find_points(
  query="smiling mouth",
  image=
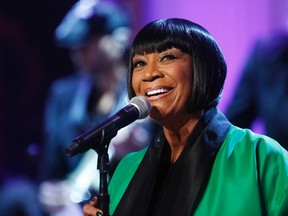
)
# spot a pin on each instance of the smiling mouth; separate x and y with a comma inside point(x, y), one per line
point(157, 92)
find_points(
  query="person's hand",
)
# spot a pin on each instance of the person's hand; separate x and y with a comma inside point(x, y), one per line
point(91, 210)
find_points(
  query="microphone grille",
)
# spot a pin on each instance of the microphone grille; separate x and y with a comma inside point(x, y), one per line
point(142, 104)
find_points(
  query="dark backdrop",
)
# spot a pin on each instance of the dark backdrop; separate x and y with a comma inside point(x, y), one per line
point(29, 61)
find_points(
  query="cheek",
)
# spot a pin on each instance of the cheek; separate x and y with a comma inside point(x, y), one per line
point(136, 84)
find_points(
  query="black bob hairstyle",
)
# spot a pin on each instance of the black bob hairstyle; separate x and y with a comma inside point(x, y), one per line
point(208, 64)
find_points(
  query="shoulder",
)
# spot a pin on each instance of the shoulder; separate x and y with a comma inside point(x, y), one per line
point(123, 175)
point(239, 135)
point(127, 167)
point(129, 163)
point(245, 138)
point(262, 151)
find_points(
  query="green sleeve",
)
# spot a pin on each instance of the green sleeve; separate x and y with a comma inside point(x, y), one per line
point(273, 169)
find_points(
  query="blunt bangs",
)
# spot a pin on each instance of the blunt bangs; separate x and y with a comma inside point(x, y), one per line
point(160, 36)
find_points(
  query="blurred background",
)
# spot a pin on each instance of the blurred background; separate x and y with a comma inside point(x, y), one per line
point(30, 60)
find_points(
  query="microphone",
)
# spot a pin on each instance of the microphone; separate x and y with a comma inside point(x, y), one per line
point(137, 108)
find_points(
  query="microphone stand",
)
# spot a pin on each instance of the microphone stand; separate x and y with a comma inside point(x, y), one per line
point(102, 166)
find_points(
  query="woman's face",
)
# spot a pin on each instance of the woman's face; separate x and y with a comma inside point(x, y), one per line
point(166, 80)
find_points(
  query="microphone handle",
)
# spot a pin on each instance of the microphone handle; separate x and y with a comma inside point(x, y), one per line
point(103, 132)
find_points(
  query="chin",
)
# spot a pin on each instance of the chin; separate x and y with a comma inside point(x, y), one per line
point(156, 115)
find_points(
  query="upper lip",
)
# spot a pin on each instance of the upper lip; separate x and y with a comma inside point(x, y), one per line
point(157, 90)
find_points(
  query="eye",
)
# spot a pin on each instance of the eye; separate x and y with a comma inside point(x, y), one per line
point(138, 63)
point(167, 57)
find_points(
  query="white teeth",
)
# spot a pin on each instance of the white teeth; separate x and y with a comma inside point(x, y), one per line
point(157, 91)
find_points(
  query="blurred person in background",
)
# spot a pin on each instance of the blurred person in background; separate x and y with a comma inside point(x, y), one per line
point(260, 100)
point(97, 34)
point(262, 92)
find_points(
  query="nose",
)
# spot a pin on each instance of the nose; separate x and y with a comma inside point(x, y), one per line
point(152, 73)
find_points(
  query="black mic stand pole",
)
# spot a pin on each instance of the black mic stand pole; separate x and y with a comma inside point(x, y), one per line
point(103, 166)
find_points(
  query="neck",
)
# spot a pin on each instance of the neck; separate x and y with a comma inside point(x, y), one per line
point(177, 134)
